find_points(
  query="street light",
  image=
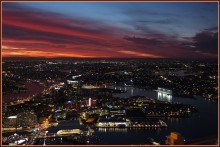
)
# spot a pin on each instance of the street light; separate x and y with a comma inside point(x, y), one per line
point(45, 137)
point(16, 125)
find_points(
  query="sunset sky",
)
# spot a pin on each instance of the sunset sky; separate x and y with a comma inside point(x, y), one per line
point(110, 30)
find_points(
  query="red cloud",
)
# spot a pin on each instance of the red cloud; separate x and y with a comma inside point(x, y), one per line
point(36, 33)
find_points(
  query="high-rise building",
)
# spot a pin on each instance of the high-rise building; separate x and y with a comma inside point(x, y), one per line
point(90, 102)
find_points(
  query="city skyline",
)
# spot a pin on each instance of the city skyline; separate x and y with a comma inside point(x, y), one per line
point(110, 29)
point(93, 101)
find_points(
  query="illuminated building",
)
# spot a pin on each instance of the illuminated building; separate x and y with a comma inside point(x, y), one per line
point(119, 113)
point(59, 115)
point(164, 94)
point(72, 82)
point(112, 123)
point(90, 102)
point(9, 122)
point(67, 132)
point(175, 138)
point(27, 119)
point(90, 120)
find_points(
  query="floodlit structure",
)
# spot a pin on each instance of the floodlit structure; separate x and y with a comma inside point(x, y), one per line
point(113, 123)
point(68, 132)
point(175, 138)
point(164, 94)
point(90, 102)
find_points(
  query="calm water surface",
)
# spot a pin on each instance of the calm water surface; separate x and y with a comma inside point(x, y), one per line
point(201, 124)
point(32, 88)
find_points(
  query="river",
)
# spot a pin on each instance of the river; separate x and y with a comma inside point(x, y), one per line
point(32, 89)
point(203, 123)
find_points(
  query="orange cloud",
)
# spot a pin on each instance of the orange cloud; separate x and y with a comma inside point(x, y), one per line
point(139, 54)
point(11, 48)
point(45, 54)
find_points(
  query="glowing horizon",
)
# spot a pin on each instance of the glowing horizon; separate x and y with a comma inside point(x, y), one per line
point(110, 29)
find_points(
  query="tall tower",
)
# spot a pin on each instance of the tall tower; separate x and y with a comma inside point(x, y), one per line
point(89, 104)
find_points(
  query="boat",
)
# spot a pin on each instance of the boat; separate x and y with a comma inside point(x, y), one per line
point(162, 123)
point(151, 141)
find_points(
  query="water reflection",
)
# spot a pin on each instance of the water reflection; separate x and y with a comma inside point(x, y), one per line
point(125, 130)
point(112, 130)
point(164, 94)
point(193, 127)
point(164, 97)
point(172, 119)
point(132, 92)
